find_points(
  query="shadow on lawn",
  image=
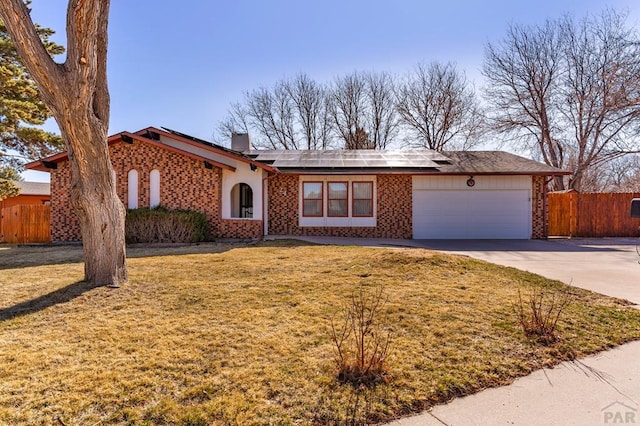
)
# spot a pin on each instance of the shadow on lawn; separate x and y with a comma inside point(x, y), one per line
point(24, 256)
point(62, 295)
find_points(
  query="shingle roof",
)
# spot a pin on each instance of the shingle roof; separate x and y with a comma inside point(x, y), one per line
point(494, 162)
point(349, 161)
point(203, 142)
point(34, 188)
point(206, 151)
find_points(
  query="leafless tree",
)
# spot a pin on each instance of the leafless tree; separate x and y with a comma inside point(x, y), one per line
point(363, 111)
point(619, 175)
point(439, 108)
point(382, 114)
point(77, 94)
point(292, 114)
point(568, 90)
point(522, 71)
point(602, 89)
point(349, 111)
point(272, 114)
point(237, 121)
point(312, 117)
point(357, 111)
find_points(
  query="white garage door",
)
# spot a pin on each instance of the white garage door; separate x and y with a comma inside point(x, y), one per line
point(471, 214)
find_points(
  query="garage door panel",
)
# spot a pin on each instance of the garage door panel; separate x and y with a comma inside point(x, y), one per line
point(471, 214)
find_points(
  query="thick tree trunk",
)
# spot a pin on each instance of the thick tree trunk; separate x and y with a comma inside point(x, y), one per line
point(78, 96)
point(558, 183)
point(96, 203)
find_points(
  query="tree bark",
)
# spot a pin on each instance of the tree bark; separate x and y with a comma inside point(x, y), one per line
point(96, 203)
point(76, 92)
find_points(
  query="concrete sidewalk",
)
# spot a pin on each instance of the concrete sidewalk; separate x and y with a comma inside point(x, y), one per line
point(597, 390)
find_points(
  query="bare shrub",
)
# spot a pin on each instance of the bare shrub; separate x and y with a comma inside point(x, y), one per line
point(361, 342)
point(161, 225)
point(539, 315)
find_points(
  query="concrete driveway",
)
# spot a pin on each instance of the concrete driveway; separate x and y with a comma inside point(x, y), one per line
point(598, 390)
point(606, 265)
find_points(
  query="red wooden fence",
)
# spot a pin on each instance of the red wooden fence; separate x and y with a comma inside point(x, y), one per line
point(27, 223)
point(592, 215)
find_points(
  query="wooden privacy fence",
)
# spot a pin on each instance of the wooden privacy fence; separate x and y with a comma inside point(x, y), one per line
point(592, 215)
point(27, 223)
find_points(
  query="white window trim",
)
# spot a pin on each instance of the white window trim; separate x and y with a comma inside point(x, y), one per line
point(325, 219)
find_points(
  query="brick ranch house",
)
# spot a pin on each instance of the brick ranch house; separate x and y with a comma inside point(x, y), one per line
point(417, 194)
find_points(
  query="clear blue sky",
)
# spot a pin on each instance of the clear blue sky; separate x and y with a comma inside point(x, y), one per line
point(180, 64)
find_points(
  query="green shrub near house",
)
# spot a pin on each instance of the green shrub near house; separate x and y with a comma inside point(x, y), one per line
point(161, 225)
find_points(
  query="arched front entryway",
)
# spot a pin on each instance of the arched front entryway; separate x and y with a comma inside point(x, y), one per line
point(241, 201)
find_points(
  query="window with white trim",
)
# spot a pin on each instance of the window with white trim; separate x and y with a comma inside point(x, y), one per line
point(312, 194)
point(337, 199)
point(362, 199)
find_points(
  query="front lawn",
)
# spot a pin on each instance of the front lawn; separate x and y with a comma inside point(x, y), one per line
point(241, 334)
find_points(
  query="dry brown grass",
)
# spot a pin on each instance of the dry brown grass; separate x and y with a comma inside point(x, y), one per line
point(236, 334)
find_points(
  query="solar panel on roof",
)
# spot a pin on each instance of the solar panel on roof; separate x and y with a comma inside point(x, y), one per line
point(351, 162)
point(351, 159)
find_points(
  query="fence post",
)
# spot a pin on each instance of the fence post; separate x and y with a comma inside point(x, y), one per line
point(573, 213)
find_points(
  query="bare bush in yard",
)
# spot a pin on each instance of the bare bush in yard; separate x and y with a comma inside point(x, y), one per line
point(539, 315)
point(362, 344)
point(161, 225)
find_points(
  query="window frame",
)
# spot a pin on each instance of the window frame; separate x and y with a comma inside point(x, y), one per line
point(346, 199)
point(354, 199)
point(244, 203)
point(133, 189)
point(321, 198)
point(155, 195)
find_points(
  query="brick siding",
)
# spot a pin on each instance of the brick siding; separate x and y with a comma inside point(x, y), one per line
point(184, 184)
point(394, 205)
point(539, 215)
point(246, 229)
point(64, 222)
